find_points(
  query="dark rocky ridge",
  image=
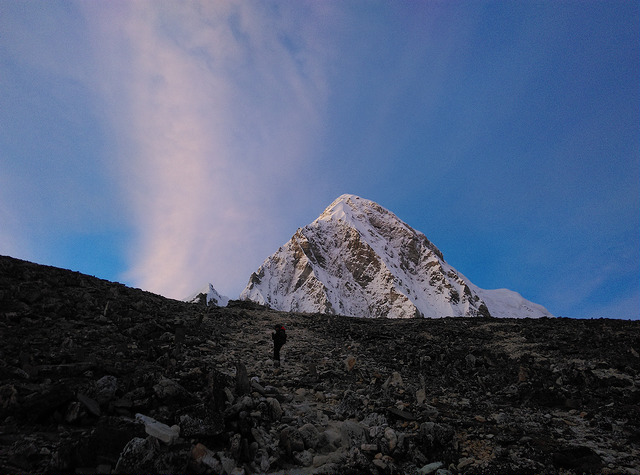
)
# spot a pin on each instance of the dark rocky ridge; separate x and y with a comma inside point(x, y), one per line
point(80, 357)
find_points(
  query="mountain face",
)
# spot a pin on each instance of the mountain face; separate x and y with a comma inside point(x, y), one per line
point(359, 259)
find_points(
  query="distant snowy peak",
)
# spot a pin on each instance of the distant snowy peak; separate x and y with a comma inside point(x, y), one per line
point(370, 219)
point(212, 297)
point(359, 259)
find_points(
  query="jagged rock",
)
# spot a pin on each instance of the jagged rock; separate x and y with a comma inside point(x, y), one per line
point(350, 405)
point(304, 458)
point(310, 436)
point(138, 456)
point(329, 440)
point(352, 434)
point(168, 390)
point(391, 439)
point(291, 440)
point(349, 363)
point(106, 388)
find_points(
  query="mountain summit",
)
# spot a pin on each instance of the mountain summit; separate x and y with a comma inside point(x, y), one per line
point(360, 259)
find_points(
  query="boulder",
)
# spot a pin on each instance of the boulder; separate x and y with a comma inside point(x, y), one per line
point(138, 456)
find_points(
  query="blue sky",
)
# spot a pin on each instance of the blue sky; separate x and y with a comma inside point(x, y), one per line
point(170, 144)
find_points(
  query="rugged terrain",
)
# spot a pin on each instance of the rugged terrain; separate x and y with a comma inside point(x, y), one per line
point(359, 259)
point(97, 377)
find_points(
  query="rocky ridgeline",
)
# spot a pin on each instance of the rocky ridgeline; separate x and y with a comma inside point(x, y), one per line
point(97, 377)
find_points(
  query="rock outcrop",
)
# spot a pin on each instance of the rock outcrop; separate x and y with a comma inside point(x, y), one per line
point(96, 377)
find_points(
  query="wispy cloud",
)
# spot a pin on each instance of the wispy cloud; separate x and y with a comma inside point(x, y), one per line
point(217, 104)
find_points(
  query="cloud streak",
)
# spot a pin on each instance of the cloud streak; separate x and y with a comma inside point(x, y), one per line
point(217, 103)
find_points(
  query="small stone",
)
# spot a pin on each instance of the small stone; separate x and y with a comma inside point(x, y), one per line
point(203, 455)
point(395, 380)
point(349, 363)
point(369, 448)
point(392, 438)
point(421, 396)
point(159, 430)
point(382, 465)
point(430, 468)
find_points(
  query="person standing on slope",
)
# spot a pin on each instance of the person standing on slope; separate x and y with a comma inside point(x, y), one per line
point(279, 337)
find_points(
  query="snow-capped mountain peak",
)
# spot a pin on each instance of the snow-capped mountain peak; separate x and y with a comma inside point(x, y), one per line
point(211, 294)
point(359, 259)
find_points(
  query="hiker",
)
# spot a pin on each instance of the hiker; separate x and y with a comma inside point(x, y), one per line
point(279, 338)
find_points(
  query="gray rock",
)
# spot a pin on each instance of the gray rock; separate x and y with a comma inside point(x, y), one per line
point(304, 458)
point(106, 388)
point(352, 434)
point(350, 405)
point(329, 440)
point(274, 409)
point(138, 456)
point(168, 389)
point(430, 468)
point(291, 440)
point(391, 440)
point(421, 396)
point(310, 436)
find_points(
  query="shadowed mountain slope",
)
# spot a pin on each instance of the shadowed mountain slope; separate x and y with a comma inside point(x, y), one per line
point(97, 377)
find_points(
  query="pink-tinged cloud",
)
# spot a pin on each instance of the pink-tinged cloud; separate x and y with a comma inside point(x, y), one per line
point(215, 106)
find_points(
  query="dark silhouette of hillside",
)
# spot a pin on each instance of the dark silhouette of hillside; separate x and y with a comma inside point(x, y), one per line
point(97, 377)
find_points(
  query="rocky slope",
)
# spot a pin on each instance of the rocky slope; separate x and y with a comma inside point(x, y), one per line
point(359, 259)
point(96, 377)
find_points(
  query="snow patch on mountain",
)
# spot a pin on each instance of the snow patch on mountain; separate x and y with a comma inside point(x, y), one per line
point(359, 259)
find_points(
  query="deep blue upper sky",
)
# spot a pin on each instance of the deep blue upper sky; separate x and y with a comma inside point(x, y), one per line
point(168, 145)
